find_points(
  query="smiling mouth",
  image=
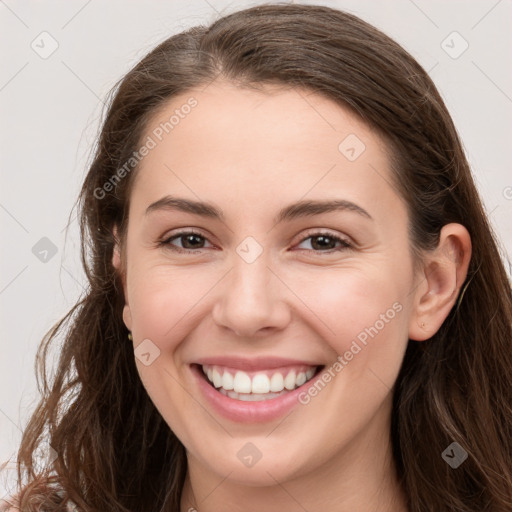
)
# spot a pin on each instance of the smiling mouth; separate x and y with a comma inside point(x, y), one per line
point(257, 386)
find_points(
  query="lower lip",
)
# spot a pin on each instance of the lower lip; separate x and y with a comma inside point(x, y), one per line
point(249, 412)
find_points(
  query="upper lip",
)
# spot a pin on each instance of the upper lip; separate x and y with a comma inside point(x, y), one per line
point(254, 363)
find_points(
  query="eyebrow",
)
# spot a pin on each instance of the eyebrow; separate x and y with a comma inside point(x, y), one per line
point(290, 212)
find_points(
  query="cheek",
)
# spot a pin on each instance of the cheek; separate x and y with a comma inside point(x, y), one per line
point(362, 316)
point(347, 304)
point(163, 302)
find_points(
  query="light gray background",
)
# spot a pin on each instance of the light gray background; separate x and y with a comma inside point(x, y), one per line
point(50, 109)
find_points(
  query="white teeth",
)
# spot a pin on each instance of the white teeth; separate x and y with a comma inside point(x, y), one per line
point(250, 397)
point(242, 383)
point(289, 381)
point(217, 379)
point(227, 381)
point(276, 383)
point(260, 383)
point(260, 387)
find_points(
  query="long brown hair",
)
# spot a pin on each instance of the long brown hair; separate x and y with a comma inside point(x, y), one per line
point(115, 451)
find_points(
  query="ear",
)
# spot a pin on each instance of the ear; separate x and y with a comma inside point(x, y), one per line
point(444, 271)
point(117, 262)
point(119, 265)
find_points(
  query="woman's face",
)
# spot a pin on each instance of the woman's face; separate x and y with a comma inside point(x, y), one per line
point(299, 268)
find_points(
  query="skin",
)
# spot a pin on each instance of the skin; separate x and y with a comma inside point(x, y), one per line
point(251, 153)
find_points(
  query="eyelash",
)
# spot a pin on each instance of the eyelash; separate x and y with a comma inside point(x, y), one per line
point(314, 234)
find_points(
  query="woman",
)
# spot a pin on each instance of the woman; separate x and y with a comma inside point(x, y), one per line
point(296, 301)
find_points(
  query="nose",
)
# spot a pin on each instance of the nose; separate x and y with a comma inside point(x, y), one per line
point(252, 300)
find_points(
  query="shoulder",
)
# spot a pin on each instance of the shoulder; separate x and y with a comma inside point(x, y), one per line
point(11, 504)
point(8, 506)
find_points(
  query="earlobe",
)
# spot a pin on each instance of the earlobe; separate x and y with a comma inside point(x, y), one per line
point(444, 272)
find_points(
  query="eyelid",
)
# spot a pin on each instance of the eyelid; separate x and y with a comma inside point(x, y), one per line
point(181, 232)
point(326, 232)
point(347, 242)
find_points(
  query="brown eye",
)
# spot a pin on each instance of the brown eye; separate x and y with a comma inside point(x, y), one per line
point(325, 242)
point(189, 240)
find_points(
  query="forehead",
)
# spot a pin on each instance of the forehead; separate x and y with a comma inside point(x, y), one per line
point(230, 142)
